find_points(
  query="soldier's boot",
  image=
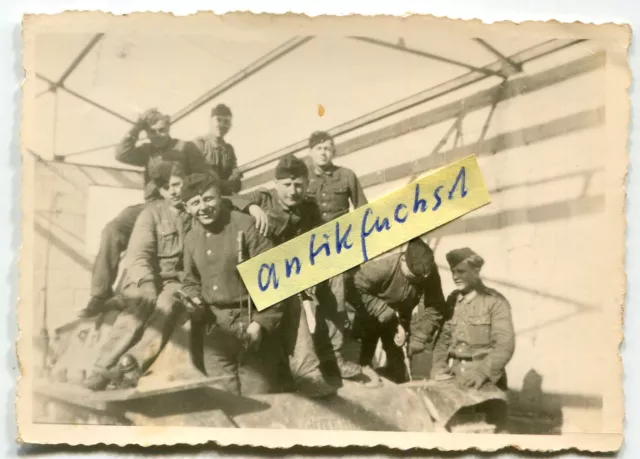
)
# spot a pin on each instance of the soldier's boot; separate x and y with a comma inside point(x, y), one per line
point(348, 370)
point(314, 386)
point(97, 381)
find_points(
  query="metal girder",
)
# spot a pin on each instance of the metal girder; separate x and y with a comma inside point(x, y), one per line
point(242, 75)
point(417, 52)
point(94, 41)
point(510, 64)
point(83, 98)
point(432, 93)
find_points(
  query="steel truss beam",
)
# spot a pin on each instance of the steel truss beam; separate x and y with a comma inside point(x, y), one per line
point(242, 75)
point(509, 64)
point(436, 57)
point(522, 57)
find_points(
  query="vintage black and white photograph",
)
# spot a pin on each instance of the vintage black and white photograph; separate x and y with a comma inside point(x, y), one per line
point(160, 152)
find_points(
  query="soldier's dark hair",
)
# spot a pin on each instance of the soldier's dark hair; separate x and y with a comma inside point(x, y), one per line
point(318, 137)
point(155, 115)
point(221, 110)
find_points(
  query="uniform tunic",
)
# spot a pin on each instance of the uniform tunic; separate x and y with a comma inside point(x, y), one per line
point(146, 154)
point(221, 157)
point(333, 189)
point(478, 328)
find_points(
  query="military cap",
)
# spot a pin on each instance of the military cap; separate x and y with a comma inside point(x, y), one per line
point(220, 110)
point(419, 257)
point(319, 137)
point(457, 256)
point(291, 167)
point(196, 184)
point(161, 172)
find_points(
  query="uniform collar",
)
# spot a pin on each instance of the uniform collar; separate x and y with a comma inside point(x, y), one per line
point(328, 171)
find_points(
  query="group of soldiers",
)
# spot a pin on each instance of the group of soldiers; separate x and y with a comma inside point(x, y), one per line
point(182, 246)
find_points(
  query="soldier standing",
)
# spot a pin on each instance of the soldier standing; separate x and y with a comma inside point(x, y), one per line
point(335, 189)
point(114, 239)
point(477, 339)
point(236, 343)
point(291, 213)
point(387, 289)
point(219, 154)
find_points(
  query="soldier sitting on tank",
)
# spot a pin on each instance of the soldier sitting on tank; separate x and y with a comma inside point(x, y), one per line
point(153, 270)
point(477, 339)
point(387, 289)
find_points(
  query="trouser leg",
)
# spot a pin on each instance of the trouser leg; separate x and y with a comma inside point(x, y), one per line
point(158, 328)
point(298, 341)
point(113, 241)
point(220, 357)
point(332, 310)
point(125, 331)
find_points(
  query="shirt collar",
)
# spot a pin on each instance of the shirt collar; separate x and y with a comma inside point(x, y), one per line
point(328, 171)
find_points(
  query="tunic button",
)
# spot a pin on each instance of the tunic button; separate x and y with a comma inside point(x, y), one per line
point(208, 252)
point(215, 287)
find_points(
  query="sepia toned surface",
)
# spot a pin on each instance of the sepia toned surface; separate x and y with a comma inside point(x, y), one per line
point(543, 106)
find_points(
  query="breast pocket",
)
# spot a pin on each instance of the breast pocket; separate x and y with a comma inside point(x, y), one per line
point(479, 329)
point(341, 196)
point(168, 239)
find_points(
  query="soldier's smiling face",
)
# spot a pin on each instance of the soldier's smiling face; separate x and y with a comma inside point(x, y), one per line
point(465, 276)
point(206, 206)
point(322, 153)
point(291, 191)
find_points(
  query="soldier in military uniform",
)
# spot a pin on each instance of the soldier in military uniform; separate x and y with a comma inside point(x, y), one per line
point(387, 289)
point(248, 350)
point(335, 189)
point(219, 154)
point(160, 148)
point(477, 339)
point(291, 213)
point(154, 266)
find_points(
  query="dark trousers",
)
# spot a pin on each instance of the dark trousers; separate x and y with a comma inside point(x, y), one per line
point(113, 241)
point(332, 316)
point(142, 329)
point(371, 332)
point(225, 354)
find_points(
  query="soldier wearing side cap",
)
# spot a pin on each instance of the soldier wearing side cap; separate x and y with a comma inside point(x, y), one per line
point(477, 339)
point(238, 344)
point(289, 214)
point(387, 289)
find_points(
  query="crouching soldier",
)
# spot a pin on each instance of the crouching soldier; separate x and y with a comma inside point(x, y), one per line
point(388, 288)
point(154, 265)
point(477, 339)
point(246, 349)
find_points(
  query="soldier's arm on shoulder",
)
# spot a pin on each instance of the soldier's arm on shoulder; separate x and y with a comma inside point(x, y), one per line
point(128, 152)
point(356, 193)
point(502, 338)
point(192, 283)
point(142, 249)
point(256, 243)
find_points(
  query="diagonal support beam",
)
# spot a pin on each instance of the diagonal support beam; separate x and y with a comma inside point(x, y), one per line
point(417, 52)
point(510, 64)
point(242, 75)
point(79, 58)
point(522, 57)
point(55, 87)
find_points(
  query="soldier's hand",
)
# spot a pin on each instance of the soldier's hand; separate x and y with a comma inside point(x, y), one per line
point(401, 336)
point(254, 335)
point(261, 219)
point(471, 379)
